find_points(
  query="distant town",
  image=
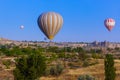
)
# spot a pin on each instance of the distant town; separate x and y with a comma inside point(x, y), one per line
point(94, 44)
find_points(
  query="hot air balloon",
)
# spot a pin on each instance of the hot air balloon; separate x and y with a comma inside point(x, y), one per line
point(21, 27)
point(109, 23)
point(50, 23)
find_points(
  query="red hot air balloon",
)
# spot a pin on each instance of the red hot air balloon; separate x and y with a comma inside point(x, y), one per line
point(109, 23)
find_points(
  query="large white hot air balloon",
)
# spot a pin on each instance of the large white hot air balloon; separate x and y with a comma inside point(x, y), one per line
point(109, 23)
point(50, 23)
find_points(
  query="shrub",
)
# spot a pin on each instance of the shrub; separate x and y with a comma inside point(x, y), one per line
point(7, 63)
point(95, 55)
point(47, 71)
point(86, 77)
point(86, 63)
point(56, 70)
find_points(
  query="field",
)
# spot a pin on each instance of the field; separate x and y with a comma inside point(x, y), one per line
point(77, 61)
point(95, 70)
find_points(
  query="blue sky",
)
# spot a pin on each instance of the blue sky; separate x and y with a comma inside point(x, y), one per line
point(83, 19)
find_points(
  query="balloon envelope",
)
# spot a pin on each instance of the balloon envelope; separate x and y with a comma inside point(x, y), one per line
point(50, 23)
point(21, 27)
point(109, 23)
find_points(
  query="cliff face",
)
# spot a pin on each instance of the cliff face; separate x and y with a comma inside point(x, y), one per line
point(5, 41)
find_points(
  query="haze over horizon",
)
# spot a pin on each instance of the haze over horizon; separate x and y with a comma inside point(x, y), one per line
point(83, 19)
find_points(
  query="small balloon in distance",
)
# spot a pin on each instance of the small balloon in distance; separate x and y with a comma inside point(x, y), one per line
point(21, 27)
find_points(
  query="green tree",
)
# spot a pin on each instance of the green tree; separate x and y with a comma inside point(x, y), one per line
point(109, 67)
point(30, 67)
point(15, 51)
point(78, 49)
